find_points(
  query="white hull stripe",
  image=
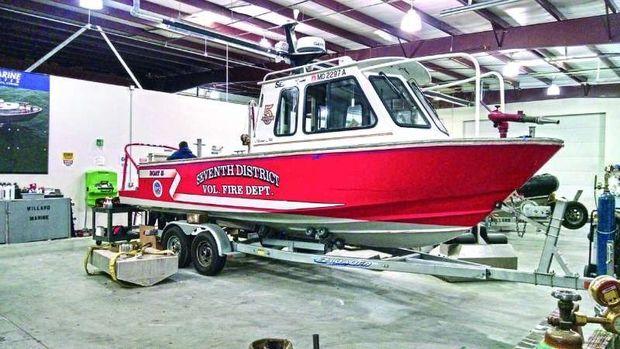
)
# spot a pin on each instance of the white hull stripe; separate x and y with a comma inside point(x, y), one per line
point(249, 203)
point(175, 184)
point(182, 206)
point(157, 173)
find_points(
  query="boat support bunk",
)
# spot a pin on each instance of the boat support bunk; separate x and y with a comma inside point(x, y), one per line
point(407, 261)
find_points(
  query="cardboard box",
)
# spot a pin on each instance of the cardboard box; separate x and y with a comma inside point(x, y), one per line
point(152, 239)
point(197, 218)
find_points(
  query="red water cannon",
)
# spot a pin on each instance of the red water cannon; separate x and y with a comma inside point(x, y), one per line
point(500, 120)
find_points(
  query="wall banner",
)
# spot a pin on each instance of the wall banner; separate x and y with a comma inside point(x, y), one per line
point(24, 122)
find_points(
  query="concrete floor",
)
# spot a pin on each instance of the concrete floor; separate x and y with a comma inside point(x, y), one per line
point(47, 301)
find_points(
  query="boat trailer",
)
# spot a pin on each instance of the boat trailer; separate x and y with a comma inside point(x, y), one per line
point(209, 238)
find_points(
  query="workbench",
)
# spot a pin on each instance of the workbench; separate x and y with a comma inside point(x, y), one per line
point(108, 235)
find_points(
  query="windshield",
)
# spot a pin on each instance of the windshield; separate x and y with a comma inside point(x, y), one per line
point(429, 107)
point(398, 101)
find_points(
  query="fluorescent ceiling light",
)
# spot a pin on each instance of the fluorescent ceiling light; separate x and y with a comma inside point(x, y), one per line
point(166, 32)
point(264, 43)
point(411, 22)
point(511, 69)
point(384, 35)
point(207, 19)
point(92, 4)
point(553, 90)
point(475, 7)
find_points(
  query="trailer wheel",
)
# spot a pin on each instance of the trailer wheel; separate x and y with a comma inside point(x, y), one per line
point(175, 240)
point(575, 216)
point(205, 255)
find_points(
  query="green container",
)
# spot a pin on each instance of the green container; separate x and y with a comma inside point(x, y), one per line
point(100, 183)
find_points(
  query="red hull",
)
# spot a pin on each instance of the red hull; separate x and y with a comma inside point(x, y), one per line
point(446, 183)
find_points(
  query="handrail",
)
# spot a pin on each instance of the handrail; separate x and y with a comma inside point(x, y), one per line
point(477, 92)
point(500, 78)
point(130, 158)
point(304, 67)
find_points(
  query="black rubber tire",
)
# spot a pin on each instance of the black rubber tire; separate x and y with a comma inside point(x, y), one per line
point(205, 255)
point(575, 216)
point(174, 239)
point(98, 242)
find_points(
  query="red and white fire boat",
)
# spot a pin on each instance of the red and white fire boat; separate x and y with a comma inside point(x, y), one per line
point(350, 148)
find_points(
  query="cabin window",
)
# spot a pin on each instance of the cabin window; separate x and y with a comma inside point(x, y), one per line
point(286, 117)
point(398, 101)
point(337, 105)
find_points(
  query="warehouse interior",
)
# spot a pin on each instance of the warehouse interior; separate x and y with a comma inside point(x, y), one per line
point(386, 173)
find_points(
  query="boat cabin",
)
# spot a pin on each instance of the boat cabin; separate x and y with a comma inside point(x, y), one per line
point(342, 102)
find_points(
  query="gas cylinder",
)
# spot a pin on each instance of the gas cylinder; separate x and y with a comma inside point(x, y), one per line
point(563, 332)
point(605, 234)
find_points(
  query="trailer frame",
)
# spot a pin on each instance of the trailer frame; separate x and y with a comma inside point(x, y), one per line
point(404, 260)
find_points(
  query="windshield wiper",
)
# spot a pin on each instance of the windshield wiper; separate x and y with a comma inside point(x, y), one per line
point(398, 92)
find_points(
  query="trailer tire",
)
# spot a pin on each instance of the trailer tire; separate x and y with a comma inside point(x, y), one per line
point(174, 239)
point(575, 216)
point(206, 256)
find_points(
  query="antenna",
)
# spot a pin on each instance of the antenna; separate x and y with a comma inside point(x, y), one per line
point(305, 49)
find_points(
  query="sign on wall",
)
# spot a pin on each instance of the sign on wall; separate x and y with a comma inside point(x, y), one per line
point(68, 158)
point(24, 122)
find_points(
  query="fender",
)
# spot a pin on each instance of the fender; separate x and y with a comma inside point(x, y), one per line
point(221, 238)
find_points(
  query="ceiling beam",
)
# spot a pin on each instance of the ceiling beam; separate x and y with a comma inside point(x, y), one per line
point(161, 10)
point(84, 47)
point(608, 62)
point(563, 67)
point(79, 18)
point(216, 9)
point(426, 18)
point(82, 51)
point(124, 33)
point(314, 22)
point(238, 17)
point(365, 19)
point(551, 9)
point(32, 28)
point(612, 6)
point(496, 21)
point(540, 94)
point(565, 33)
point(499, 23)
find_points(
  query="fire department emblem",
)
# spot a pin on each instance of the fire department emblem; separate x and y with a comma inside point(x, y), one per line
point(158, 189)
point(268, 114)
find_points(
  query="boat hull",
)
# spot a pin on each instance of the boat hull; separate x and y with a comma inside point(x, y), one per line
point(404, 195)
point(19, 116)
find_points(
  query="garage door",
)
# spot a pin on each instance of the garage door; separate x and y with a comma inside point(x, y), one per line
point(576, 164)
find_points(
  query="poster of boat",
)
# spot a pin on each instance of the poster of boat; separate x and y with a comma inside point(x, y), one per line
point(24, 122)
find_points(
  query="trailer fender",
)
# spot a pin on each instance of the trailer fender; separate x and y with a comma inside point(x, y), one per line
point(221, 238)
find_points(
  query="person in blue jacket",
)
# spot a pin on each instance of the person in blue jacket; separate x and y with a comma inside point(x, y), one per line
point(182, 153)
